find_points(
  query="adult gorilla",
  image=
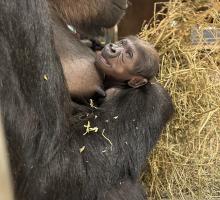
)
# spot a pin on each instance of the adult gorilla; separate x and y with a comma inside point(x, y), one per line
point(45, 131)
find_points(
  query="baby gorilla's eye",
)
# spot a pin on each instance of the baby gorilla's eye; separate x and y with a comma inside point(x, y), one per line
point(123, 42)
point(129, 54)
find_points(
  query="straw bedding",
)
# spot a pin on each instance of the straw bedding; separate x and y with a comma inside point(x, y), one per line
point(186, 162)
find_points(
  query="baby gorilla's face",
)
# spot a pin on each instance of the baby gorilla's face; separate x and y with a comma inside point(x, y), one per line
point(118, 59)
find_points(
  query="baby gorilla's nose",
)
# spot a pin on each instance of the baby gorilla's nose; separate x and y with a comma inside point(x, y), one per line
point(113, 49)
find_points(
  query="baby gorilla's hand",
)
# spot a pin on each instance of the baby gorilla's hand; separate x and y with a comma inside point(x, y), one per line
point(111, 92)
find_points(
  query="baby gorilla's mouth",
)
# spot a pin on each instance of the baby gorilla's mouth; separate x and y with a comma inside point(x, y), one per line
point(103, 60)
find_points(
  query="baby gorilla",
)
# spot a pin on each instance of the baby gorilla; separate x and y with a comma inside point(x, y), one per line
point(129, 61)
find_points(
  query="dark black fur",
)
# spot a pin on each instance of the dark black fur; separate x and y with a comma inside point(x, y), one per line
point(45, 130)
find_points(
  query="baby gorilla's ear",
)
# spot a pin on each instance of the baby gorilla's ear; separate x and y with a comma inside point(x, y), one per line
point(137, 81)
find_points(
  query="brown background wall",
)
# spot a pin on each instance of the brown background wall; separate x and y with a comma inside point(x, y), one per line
point(137, 13)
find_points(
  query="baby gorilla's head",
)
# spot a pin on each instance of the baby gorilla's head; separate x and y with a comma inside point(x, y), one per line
point(129, 59)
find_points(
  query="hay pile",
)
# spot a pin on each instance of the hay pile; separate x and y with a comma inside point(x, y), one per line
point(186, 163)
